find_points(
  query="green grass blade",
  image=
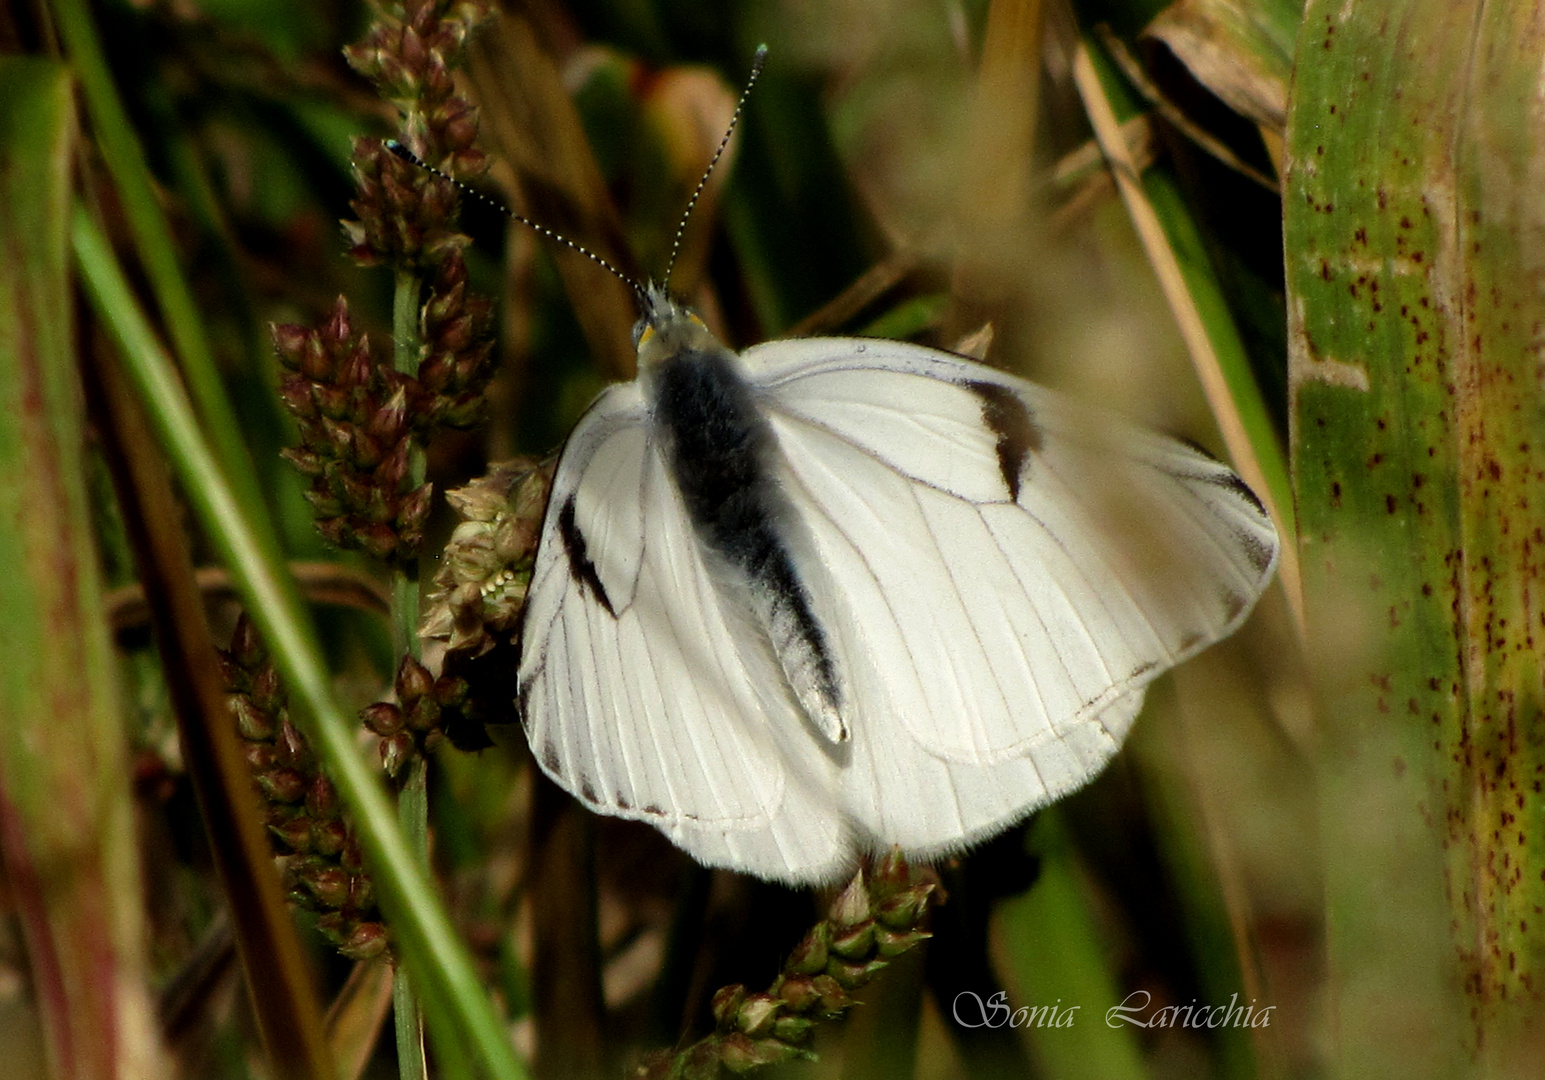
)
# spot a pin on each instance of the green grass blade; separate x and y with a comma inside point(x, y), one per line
point(436, 958)
point(1055, 958)
point(157, 251)
point(67, 817)
point(1196, 298)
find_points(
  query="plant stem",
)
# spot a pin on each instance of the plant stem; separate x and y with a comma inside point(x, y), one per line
point(413, 816)
point(413, 799)
point(405, 350)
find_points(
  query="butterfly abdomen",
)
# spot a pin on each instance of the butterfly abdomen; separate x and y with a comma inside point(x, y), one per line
point(720, 450)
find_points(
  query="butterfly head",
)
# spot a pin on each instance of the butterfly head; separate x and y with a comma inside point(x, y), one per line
point(666, 328)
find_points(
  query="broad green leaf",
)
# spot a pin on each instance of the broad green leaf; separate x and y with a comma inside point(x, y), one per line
point(1413, 213)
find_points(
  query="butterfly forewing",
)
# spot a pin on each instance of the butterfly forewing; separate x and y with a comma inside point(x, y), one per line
point(1020, 592)
point(648, 709)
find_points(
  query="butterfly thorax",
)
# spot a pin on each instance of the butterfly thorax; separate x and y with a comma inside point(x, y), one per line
point(665, 329)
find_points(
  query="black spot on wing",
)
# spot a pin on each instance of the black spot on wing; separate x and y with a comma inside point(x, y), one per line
point(1224, 477)
point(1258, 551)
point(550, 757)
point(581, 569)
point(1009, 419)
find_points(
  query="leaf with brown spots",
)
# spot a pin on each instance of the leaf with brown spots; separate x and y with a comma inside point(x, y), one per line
point(1419, 197)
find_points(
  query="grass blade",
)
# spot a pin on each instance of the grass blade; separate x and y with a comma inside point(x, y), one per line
point(436, 958)
point(66, 814)
point(1175, 250)
point(157, 251)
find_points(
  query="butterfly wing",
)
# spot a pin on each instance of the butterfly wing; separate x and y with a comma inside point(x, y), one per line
point(640, 692)
point(1013, 571)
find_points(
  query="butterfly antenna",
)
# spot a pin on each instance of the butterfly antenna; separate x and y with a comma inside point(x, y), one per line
point(542, 230)
point(756, 70)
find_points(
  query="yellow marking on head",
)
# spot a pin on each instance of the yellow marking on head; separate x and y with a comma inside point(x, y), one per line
point(643, 339)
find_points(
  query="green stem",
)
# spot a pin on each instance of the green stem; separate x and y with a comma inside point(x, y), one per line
point(413, 817)
point(413, 799)
point(428, 942)
point(406, 347)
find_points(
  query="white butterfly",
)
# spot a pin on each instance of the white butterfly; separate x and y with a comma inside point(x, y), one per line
point(832, 595)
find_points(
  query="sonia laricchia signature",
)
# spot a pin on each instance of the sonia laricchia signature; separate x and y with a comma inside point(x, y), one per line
point(971, 1011)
